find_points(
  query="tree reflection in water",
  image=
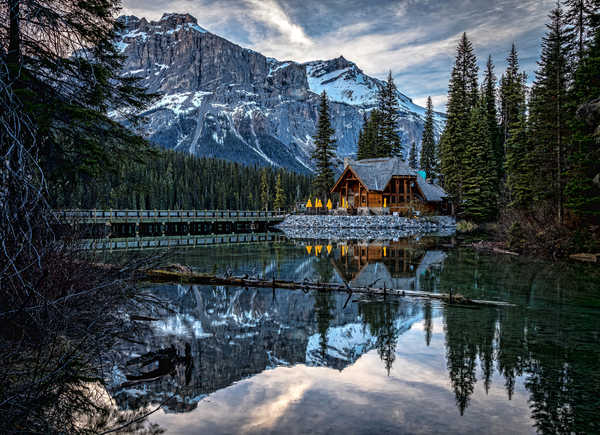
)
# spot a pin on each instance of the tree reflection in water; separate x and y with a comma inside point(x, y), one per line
point(548, 343)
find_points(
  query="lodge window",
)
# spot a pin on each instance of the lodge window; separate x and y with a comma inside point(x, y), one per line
point(401, 187)
point(364, 200)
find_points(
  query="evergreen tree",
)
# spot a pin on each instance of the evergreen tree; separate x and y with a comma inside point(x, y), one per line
point(279, 194)
point(388, 108)
point(412, 159)
point(324, 151)
point(59, 74)
point(462, 97)
point(364, 149)
point(512, 93)
point(65, 73)
point(373, 137)
point(548, 117)
point(517, 164)
point(582, 195)
point(428, 146)
point(479, 197)
point(265, 194)
point(491, 112)
point(578, 17)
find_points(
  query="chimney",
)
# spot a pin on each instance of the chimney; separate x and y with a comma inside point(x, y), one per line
point(346, 162)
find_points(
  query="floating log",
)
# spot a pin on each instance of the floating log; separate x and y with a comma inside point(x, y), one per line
point(588, 258)
point(185, 277)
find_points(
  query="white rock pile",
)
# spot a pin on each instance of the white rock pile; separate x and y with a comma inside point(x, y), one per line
point(365, 227)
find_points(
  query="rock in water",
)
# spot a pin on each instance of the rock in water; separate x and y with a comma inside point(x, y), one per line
point(221, 100)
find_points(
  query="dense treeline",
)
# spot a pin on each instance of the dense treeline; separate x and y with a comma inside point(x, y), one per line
point(529, 156)
point(173, 180)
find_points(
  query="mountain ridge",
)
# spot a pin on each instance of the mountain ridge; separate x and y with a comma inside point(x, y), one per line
point(218, 99)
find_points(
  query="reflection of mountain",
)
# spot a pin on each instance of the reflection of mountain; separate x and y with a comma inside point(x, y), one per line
point(234, 333)
point(548, 344)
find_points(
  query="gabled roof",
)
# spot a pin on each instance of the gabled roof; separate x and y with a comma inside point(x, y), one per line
point(375, 174)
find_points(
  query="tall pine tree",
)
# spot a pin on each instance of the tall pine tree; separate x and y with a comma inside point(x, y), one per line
point(265, 193)
point(488, 94)
point(578, 15)
point(324, 151)
point(364, 150)
point(462, 97)
point(517, 163)
point(581, 193)
point(512, 93)
point(480, 182)
point(279, 194)
point(412, 158)
point(390, 143)
point(548, 115)
point(428, 146)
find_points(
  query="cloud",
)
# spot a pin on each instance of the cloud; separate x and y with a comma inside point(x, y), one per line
point(271, 13)
point(416, 39)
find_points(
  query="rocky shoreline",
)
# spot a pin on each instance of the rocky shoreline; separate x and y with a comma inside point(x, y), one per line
point(365, 227)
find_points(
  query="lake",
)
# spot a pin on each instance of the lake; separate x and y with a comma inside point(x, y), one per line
point(240, 360)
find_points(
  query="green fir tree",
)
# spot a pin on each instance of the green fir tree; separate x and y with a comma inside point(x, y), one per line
point(279, 194)
point(479, 197)
point(412, 158)
point(265, 194)
point(488, 94)
point(462, 97)
point(324, 151)
point(517, 164)
point(428, 145)
point(513, 100)
point(549, 117)
point(581, 193)
point(388, 107)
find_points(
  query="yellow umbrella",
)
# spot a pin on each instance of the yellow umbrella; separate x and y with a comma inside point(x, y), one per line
point(384, 202)
point(318, 249)
point(308, 249)
point(329, 204)
point(319, 203)
point(384, 251)
point(329, 248)
point(309, 204)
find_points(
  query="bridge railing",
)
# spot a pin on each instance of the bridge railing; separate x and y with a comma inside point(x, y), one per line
point(105, 214)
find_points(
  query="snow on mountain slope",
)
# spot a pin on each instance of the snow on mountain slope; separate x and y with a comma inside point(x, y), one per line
point(221, 100)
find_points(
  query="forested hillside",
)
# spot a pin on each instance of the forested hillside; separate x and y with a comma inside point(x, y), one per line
point(175, 180)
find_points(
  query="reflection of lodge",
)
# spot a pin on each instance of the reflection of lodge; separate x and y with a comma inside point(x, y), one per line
point(393, 264)
point(387, 185)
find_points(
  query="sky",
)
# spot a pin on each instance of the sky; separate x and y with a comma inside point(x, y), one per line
point(415, 39)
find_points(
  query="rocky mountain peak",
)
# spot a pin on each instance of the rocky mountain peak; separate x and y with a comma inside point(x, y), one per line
point(222, 100)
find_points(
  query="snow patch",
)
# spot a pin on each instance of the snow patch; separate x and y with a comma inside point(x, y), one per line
point(181, 324)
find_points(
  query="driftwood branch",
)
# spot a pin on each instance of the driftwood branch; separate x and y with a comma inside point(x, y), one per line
point(182, 277)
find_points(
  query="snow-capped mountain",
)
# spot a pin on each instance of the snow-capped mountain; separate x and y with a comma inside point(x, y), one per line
point(221, 100)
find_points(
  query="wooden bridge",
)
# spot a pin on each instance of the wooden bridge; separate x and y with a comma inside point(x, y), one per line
point(143, 223)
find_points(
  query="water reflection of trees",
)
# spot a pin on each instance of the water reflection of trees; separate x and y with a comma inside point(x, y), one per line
point(553, 346)
point(380, 319)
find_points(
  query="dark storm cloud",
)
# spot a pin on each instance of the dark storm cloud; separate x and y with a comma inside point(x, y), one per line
point(416, 39)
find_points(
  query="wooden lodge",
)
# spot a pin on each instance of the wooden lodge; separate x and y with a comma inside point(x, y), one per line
point(387, 185)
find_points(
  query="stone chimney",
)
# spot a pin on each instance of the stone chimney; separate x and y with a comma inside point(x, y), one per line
point(346, 162)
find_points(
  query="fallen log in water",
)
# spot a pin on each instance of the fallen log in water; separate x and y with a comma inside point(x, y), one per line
point(187, 277)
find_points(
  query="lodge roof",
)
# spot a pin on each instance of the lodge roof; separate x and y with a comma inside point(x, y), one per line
point(375, 174)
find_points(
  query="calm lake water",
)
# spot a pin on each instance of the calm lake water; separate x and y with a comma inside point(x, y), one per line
point(235, 360)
